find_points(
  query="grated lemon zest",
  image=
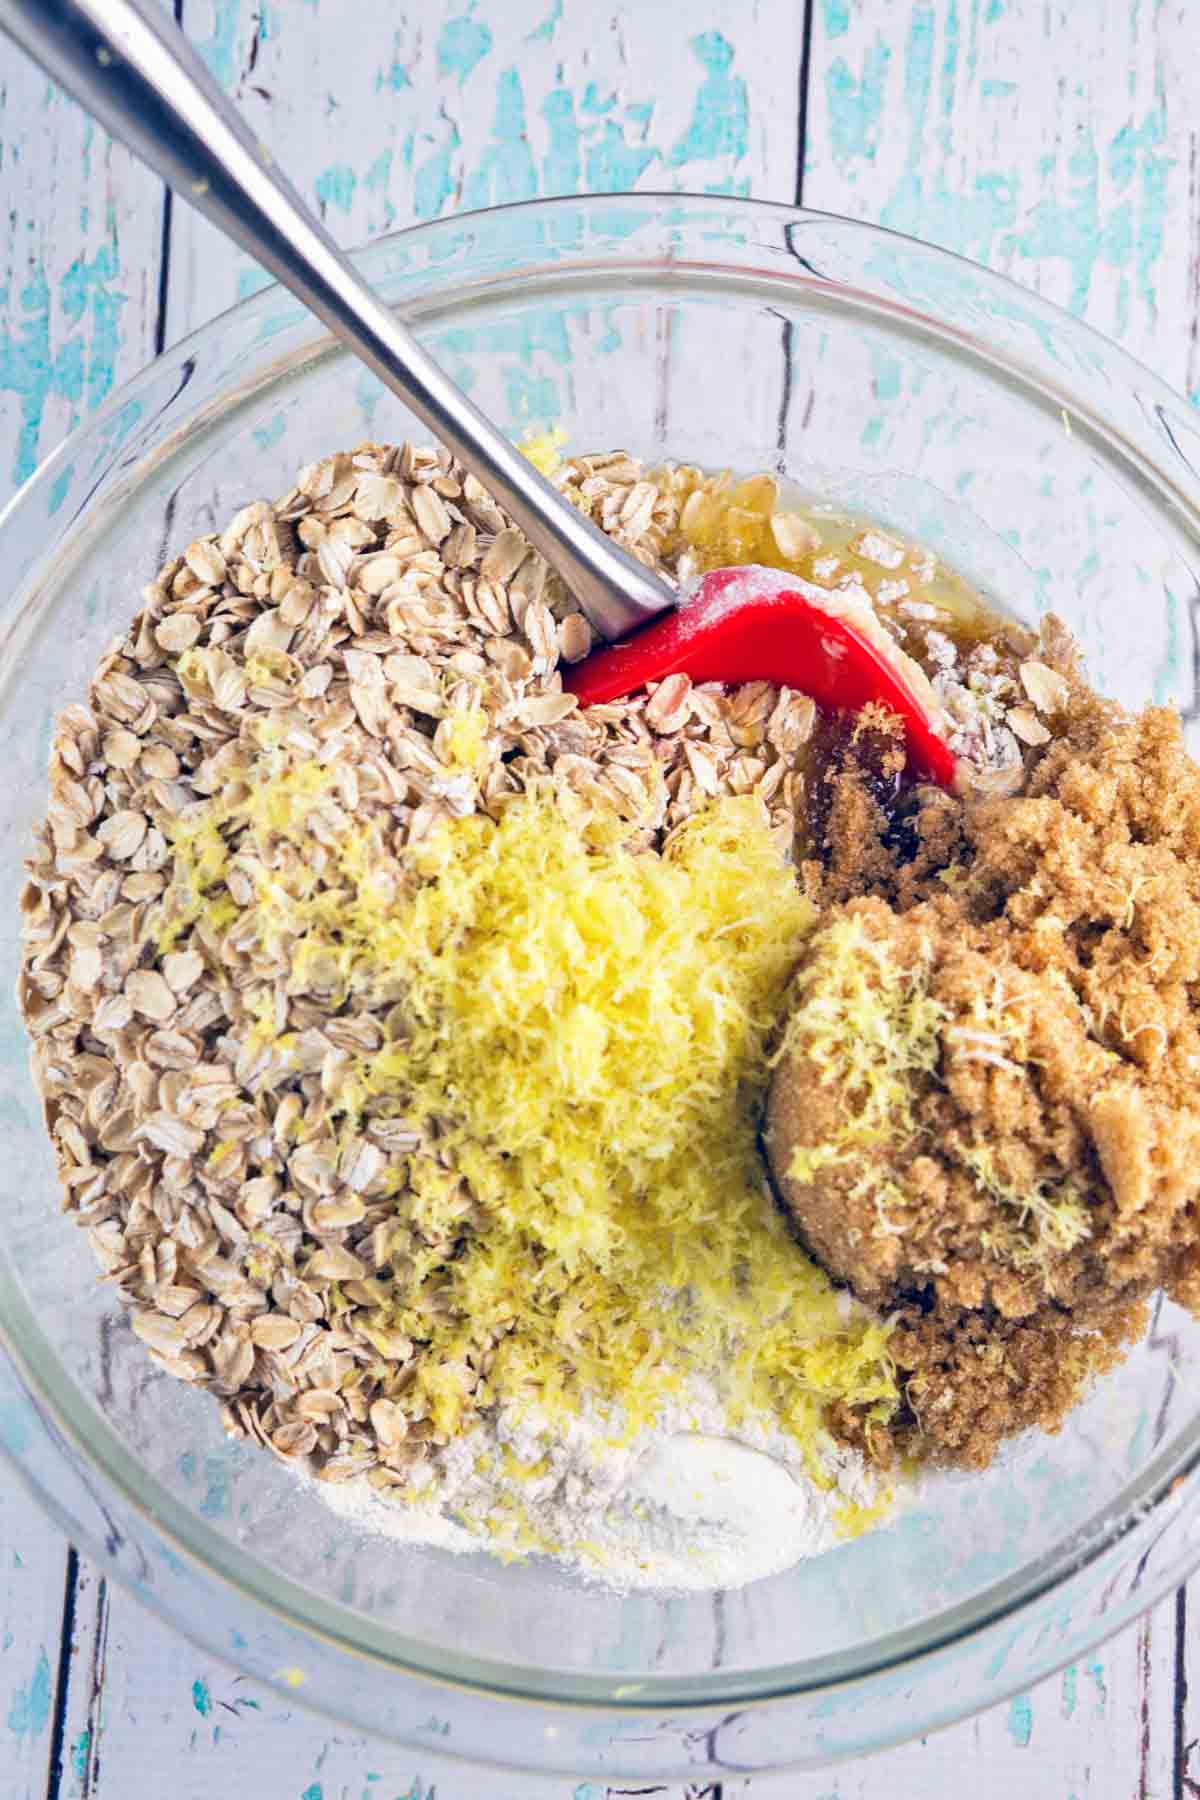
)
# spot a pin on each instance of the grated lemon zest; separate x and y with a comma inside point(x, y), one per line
point(466, 735)
point(544, 449)
point(1045, 1218)
point(589, 1027)
point(855, 1517)
point(871, 1028)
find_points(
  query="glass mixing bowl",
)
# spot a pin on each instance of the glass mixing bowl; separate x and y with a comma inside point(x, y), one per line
point(908, 386)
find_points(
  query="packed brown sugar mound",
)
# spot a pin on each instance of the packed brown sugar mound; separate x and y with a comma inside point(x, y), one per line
point(985, 1114)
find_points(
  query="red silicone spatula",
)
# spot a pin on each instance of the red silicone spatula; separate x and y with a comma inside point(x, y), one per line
point(756, 624)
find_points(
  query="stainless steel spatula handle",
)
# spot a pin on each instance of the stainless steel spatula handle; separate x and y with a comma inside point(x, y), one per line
point(130, 66)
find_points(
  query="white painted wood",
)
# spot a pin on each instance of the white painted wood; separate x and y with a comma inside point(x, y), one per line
point(444, 106)
point(1052, 141)
point(75, 1757)
point(175, 1722)
point(80, 247)
point(1187, 1692)
point(1103, 1729)
point(80, 241)
point(33, 1560)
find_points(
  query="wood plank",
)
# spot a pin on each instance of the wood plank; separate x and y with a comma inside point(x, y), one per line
point(74, 1762)
point(80, 248)
point(444, 106)
point(438, 108)
point(1051, 141)
point(1105, 1727)
point(171, 1713)
point(33, 1562)
point(1187, 1692)
point(175, 1721)
point(80, 245)
point(76, 328)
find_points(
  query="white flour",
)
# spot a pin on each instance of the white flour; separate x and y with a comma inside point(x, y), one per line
point(690, 1503)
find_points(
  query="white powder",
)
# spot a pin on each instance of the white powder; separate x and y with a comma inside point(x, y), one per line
point(691, 1502)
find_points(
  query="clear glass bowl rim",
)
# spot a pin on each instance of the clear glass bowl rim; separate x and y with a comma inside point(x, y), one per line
point(1174, 1472)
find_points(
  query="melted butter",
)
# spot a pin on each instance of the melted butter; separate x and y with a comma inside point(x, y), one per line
point(758, 519)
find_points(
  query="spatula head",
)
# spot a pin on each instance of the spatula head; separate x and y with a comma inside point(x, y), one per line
point(756, 624)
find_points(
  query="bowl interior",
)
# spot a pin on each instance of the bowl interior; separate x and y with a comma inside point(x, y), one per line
point(712, 342)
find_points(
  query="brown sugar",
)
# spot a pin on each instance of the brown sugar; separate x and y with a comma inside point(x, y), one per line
point(986, 1112)
point(972, 1378)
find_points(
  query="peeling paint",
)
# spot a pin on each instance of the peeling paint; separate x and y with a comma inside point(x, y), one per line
point(561, 165)
point(79, 1755)
point(506, 169)
point(29, 1712)
point(1095, 1672)
point(720, 115)
point(855, 105)
point(216, 1501)
point(462, 43)
point(396, 76)
point(1090, 215)
point(218, 49)
point(380, 173)
point(595, 102)
point(80, 367)
point(433, 181)
point(613, 166)
point(60, 488)
point(1070, 1690)
point(1092, 203)
point(1020, 1720)
point(1070, 229)
point(335, 187)
point(86, 291)
point(549, 25)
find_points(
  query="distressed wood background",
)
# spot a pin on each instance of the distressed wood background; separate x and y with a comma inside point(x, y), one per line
point(1053, 139)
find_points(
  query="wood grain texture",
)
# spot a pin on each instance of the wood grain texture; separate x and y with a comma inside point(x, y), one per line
point(74, 1758)
point(33, 1560)
point(173, 1719)
point(164, 1719)
point(1053, 142)
point(80, 248)
point(1104, 1728)
point(1050, 140)
point(445, 106)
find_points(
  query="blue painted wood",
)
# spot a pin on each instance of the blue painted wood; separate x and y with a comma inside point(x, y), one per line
point(33, 1562)
point(80, 243)
point(448, 105)
point(1051, 141)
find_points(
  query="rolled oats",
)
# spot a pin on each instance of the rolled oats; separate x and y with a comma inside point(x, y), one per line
point(353, 627)
point(1046, 688)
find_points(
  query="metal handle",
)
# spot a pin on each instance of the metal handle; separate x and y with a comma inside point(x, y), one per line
point(130, 66)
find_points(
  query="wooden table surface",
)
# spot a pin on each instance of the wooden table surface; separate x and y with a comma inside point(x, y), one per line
point(1053, 139)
